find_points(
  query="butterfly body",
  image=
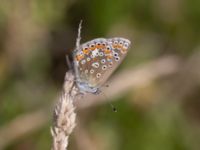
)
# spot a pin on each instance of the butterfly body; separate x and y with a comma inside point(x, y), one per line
point(95, 61)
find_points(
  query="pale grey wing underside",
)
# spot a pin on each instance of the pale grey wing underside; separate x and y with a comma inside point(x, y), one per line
point(97, 65)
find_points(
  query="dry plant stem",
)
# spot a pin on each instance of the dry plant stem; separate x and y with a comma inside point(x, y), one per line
point(64, 115)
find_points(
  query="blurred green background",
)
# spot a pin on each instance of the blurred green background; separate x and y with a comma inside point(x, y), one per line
point(35, 36)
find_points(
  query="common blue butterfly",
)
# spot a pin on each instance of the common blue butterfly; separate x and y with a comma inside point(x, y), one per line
point(95, 61)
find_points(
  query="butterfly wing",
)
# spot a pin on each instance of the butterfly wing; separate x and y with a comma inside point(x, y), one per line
point(96, 60)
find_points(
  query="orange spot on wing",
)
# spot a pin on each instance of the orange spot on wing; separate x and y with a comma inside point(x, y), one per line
point(92, 48)
point(100, 46)
point(94, 59)
point(86, 51)
point(79, 57)
point(114, 45)
point(109, 56)
point(107, 51)
point(119, 46)
point(123, 50)
point(103, 46)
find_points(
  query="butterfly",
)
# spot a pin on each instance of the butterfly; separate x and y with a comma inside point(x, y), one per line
point(95, 61)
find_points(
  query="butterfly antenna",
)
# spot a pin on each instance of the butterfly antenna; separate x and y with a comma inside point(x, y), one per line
point(78, 39)
point(114, 109)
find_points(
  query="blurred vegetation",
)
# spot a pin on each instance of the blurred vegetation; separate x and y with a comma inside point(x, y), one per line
point(36, 35)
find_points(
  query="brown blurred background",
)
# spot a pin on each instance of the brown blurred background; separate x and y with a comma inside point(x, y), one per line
point(158, 110)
